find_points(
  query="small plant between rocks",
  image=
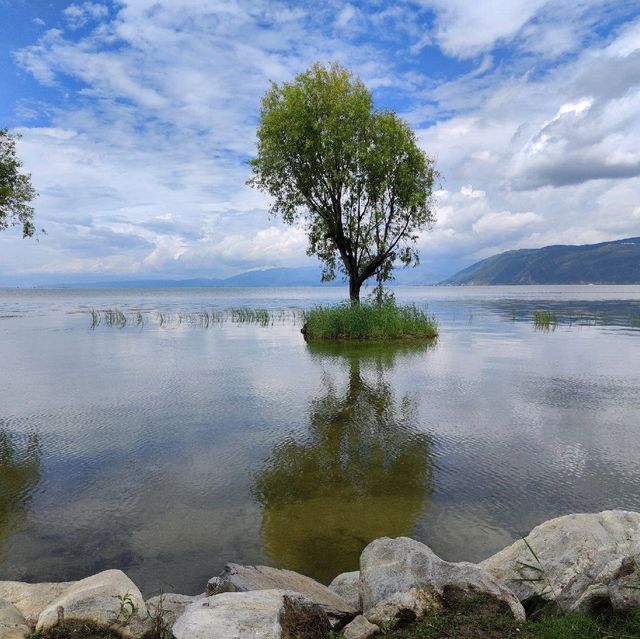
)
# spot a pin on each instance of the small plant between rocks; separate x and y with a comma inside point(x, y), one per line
point(76, 630)
point(160, 626)
point(126, 608)
point(546, 595)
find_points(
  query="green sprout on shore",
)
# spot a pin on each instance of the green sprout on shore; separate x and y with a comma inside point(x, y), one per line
point(127, 608)
point(540, 576)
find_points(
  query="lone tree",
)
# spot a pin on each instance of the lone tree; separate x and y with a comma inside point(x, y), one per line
point(16, 191)
point(354, 175)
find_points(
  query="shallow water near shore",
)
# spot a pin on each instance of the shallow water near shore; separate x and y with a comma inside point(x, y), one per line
point(167, 447)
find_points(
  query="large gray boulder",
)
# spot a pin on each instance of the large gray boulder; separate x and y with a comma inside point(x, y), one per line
point(402, 580)
point(260, 614)
point(238, 578)
point(347, 586)
point(96, 599)
point(13, 625)
point(31, 599)
point(587, 562)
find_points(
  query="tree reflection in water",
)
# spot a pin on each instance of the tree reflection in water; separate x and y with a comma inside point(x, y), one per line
point(19, 474)
point(363, 472)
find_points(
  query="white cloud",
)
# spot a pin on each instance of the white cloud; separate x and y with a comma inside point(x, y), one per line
point(467, 28)
point(77, 15)
point(504, 223)
point(345, 16)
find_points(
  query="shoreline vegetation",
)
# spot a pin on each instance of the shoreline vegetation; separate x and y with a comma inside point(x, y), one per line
point(340, 322)
point(368, 321)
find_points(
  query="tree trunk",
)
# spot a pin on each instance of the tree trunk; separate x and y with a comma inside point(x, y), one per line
point(354, 289)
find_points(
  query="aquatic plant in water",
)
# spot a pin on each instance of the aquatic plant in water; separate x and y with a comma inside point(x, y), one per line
point(368, 321)
point(545, 320)
point(115, 317)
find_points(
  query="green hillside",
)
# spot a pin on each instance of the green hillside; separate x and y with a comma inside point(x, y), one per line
point(606, 263)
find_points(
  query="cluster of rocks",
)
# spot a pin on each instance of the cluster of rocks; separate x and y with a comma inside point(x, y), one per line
point(582, 562)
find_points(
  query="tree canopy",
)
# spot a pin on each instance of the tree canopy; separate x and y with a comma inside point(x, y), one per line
point(16, 191)
point(353, 174)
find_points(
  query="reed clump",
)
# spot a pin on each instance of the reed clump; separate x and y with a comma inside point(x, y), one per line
point(115, 317)
point(368, 321)
point(545, 319)
point(260, 316)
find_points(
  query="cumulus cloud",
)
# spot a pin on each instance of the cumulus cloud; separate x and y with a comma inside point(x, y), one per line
point(468, 28)
point(77, 15)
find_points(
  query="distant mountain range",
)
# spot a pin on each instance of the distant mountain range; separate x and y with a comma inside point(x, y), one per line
point(305, 276)
point(300, 276)
point(615, 262)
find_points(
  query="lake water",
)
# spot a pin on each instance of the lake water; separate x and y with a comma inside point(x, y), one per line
point(166, 447)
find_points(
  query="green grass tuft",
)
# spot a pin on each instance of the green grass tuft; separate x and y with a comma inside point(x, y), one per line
point(481, 617)
point(368, 321)
point(545, 320)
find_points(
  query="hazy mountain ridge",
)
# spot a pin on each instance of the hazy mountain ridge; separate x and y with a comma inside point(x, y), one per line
point(304, 276)
point(281, 276)
point(616, 262)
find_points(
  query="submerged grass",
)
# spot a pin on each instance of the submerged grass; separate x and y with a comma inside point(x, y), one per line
point(368, 321)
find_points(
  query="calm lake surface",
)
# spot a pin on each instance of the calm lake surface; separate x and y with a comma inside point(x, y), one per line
point(167, 447)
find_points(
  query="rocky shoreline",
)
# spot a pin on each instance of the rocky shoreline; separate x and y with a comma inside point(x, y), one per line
point(585, 563)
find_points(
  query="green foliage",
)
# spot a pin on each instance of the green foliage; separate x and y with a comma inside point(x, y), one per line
point(480, 617)
point(16, 191)
point(545, 320)
point(260, 316)
point(368, 321)
point(159, 621)
point(126, 608)
point(537, 574)
point(354, 175)
point(76, 630)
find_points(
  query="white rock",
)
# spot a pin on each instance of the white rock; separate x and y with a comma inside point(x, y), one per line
point(215, 586)
point(585, 558)
point(402, 580)
point(31, 599)
point(238, 578)
point(13, 625)
point(347, 586)
point(360, 628)
point(260, 614)
point(96, 599)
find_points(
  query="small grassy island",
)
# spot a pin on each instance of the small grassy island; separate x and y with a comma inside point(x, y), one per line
point(368, 321)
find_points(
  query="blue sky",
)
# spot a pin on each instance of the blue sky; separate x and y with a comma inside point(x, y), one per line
point(138, 117)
